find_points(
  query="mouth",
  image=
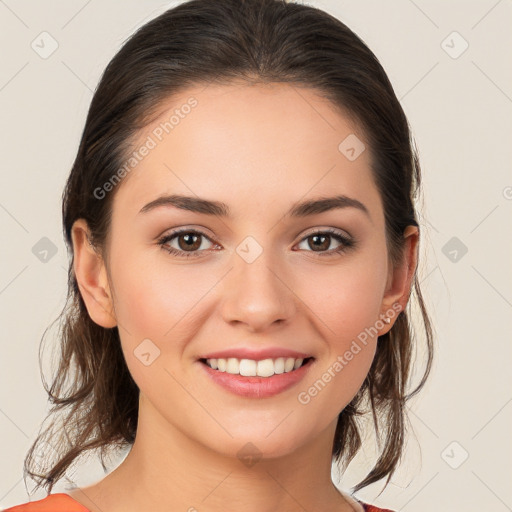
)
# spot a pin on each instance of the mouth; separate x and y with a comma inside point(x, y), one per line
point(251, 378)
point(263, 368)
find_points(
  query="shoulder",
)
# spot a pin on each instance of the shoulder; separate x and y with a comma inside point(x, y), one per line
point(58, 502)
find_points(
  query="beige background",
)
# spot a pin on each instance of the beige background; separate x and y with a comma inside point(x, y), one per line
point(461, 113)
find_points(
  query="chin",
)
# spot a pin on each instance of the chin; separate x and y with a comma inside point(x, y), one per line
point(257, 445)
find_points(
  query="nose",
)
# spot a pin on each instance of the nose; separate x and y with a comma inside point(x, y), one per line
point(257, 294)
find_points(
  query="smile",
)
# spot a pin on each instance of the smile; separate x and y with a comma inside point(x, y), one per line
point(253, 368)
point(256, 379)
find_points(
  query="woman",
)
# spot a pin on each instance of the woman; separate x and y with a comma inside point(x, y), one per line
point(244, 245)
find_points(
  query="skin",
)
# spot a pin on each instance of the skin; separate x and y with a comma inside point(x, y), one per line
point(258, 148)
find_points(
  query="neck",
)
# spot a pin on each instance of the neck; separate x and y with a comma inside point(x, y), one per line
point(166, 470)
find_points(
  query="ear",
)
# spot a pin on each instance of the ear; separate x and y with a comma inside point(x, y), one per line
point(398, 287)
point(91, 275)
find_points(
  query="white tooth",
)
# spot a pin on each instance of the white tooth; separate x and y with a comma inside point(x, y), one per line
point(288, 364)
point(279, 365)
point(265, 368)
point(298, 362)
point(248, 368)
point(232, 366)
point(252, 368)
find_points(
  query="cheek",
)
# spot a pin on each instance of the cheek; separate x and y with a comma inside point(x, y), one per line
point(164, 304)
point(155, 304)
point(346, 298)
point(168, 304)
point(346, 302)
point(154, 298)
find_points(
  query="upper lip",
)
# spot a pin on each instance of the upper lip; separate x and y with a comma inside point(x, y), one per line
point(255, 354)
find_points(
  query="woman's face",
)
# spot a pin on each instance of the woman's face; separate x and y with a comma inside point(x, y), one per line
point(256, 278)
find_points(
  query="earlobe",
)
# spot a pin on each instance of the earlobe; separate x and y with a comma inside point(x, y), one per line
point(91, 275)
point(400, 280)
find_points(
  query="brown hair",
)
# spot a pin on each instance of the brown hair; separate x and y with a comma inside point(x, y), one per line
point(215, 41)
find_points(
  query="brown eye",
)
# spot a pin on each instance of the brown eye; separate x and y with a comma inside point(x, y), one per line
point(320, 241)
point(189, 243)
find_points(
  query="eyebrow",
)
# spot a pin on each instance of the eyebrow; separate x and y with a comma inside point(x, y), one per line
point(219, 209)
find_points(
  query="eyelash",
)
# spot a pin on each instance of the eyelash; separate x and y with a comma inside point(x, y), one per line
point(346, 243)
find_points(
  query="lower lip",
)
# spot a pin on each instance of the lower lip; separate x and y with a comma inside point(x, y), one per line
point(257, 387)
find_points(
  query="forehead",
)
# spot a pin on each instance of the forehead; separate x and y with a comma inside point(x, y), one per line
point(248, 145)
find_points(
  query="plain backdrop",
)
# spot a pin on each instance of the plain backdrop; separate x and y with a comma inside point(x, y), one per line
point(449, 63)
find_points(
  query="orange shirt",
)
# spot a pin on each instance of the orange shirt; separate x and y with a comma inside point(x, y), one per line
point(61, 502)
point(58, 502)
